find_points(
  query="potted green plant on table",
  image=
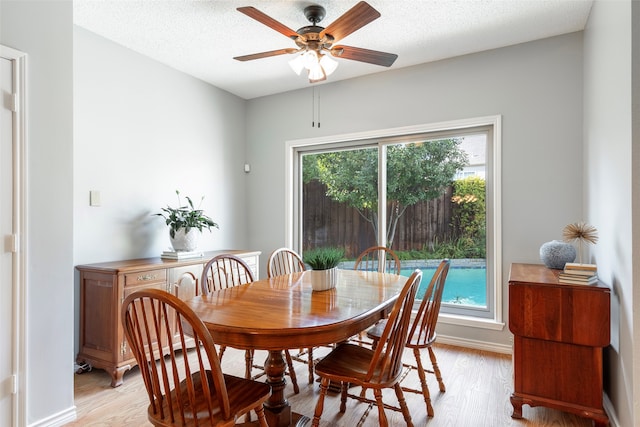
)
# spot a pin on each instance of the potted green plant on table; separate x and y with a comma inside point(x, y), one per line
point(186, 224)
point(324, 266)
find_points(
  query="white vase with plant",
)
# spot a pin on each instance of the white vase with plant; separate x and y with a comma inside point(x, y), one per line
point(186, 224)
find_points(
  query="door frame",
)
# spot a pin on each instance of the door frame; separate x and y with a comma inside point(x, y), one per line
point(17, 241)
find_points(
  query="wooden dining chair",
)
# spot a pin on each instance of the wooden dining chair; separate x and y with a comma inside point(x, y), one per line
point(187, 388)
point(286, 261)
point(378, 368)
point(423, 334)
point(225, 271)
point(378, 258)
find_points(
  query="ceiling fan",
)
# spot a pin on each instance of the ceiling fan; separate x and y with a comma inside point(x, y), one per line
point(316, 44)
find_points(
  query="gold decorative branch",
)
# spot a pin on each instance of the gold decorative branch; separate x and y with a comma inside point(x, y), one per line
point(582, 232)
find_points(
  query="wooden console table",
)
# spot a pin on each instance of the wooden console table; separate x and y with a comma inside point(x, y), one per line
point(559, 333)
point(103, 288)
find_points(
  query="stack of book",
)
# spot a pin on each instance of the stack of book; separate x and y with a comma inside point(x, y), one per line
point(181, 254)
point(578, 274)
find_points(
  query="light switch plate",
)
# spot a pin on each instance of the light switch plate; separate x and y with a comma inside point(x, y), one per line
point(94, 198)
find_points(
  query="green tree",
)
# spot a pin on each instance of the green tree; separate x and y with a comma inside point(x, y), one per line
point(415, 172)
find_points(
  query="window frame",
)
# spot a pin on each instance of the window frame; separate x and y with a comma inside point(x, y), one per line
point(383, 137)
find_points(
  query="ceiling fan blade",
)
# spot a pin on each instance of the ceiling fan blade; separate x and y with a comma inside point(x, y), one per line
point(355, 18)
point(265, 54)
point(254, 13)
point(364, 55)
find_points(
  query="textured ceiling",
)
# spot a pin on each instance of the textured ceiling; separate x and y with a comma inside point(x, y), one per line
point(201, 37)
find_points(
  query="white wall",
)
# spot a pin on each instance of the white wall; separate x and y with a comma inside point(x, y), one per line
point(536, 87)
point(143, 131)
point(611, 189)
point(43, 30)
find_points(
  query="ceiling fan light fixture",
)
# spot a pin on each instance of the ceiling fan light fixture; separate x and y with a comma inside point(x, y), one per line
point(297, 64)
point(328, 64)
point(310, 58)
point(318, 65)
point(316, 73)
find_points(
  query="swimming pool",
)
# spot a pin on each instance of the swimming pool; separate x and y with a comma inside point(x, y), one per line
point(464, 285)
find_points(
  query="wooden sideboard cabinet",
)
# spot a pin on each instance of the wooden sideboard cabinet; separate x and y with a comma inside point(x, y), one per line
point(103, 288)
point(559, 333)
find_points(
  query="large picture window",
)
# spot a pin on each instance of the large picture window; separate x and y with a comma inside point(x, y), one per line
point(428, 194)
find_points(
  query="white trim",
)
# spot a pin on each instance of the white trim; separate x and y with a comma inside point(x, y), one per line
point(474, 344)
point(473, 322)
point(382, 198)
point(19, 60)
point(611, 411)
point(289, 151)
point(404, 130)
point(57, 420)
point(497, 217)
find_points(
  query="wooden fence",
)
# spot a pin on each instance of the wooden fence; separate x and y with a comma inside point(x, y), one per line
point(329, 223)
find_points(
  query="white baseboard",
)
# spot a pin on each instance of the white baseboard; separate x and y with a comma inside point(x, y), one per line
point(476, 345)
point(611, 412)
point(57, 420)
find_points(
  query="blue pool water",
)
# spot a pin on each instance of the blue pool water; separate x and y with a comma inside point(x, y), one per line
point(464, 285)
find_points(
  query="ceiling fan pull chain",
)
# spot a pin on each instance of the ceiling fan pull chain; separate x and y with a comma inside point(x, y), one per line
point(318, 109)
point(313, 107)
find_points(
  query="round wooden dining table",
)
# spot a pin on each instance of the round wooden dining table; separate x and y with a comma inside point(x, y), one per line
point(284, 312)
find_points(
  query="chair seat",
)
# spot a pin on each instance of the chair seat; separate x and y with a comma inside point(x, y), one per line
point(350, 362)
point(243, 395)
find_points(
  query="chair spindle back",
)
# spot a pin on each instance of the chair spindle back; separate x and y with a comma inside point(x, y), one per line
point(224, 271)
point(378, 258)
point(157, 323)
point(423, 329)
point(284, 261)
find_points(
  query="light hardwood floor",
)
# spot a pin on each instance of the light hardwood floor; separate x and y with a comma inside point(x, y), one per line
point(478, 387)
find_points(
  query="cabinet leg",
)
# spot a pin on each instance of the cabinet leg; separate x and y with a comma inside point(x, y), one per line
point(117, 374)
point(516, 402)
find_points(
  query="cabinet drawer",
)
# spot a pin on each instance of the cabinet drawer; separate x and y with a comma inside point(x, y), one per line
point(556, 313)
point(145, 277)
point(252, 262)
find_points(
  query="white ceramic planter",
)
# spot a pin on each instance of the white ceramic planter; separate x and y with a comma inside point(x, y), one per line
point(185, 242)
point(323, 280)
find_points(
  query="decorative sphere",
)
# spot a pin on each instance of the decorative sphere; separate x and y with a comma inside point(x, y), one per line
point(555, 254)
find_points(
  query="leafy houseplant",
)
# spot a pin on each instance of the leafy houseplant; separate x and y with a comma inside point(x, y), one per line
point(185, 218)
point(323, 258)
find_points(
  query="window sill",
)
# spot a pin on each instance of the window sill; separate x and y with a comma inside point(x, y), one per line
point(473, 322)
